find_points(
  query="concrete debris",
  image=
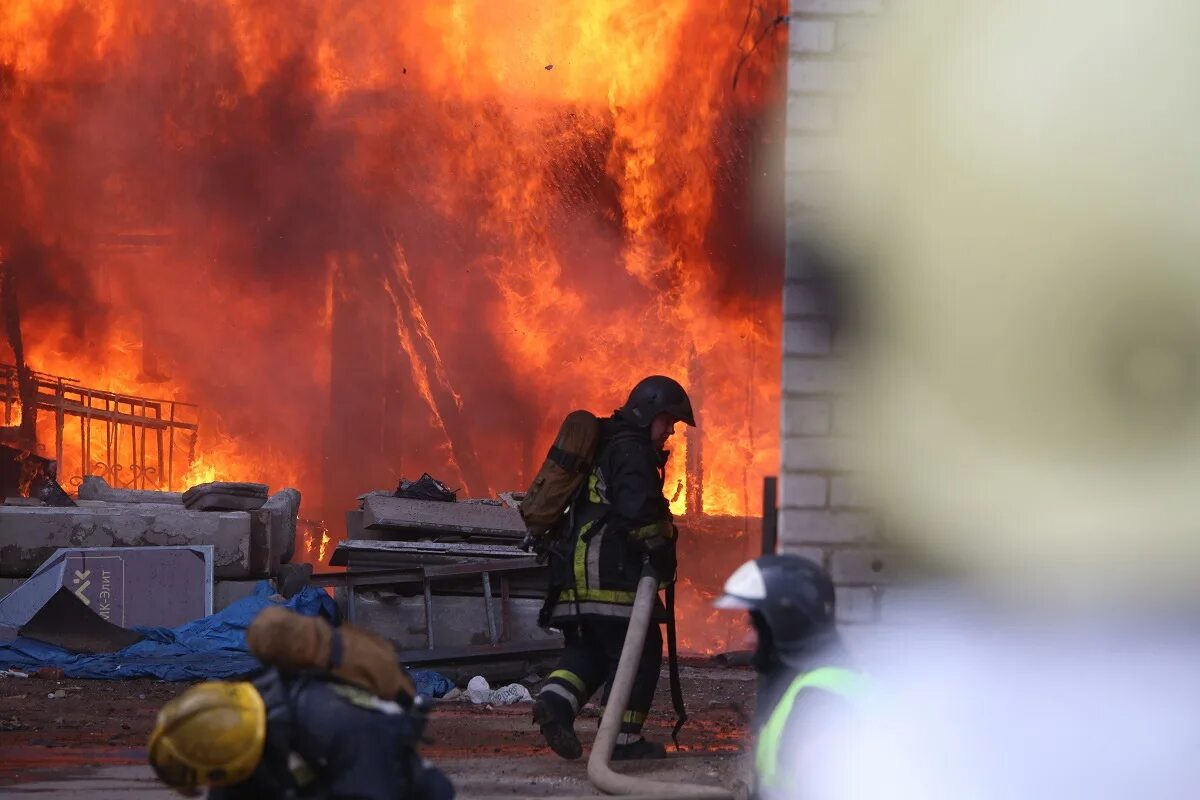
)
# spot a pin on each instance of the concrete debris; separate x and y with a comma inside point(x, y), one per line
point(407, 519)
point(96, 488)
point(30, 536)
point(246, 544)
point(374, 555)
point(58, 695)
point(226, 496)
point(284, 508)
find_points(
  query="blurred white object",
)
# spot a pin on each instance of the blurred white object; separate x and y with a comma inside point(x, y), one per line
point(480, 693)
point(1031, 713)
point(1021, 196)
point(479, 690)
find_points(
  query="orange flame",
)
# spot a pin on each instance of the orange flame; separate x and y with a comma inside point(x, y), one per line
point(566, 184)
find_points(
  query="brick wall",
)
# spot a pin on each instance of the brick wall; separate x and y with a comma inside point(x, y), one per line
point(820, 508)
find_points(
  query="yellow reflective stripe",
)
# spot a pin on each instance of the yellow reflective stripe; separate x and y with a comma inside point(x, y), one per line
point(634, 717)
point(581, 547)
point(597, 595)
point(593, 492)
point(571, 678)
point(646, 531)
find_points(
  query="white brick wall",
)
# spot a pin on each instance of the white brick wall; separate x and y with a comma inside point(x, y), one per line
point(823, 514)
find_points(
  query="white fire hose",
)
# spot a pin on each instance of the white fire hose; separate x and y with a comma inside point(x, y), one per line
point(601, 774)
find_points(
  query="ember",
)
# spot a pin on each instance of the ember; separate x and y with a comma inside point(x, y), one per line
point(368, 239)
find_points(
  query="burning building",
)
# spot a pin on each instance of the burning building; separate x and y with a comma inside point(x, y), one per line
point(368, 240)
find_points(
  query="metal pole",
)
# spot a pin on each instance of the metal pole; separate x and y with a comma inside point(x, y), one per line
point(171, 452)
point(770, 515)
point(59, 421)
point(428, 612)
point(488, 611)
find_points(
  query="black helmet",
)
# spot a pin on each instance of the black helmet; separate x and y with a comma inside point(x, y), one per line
point(790, 596)
point(656, 395)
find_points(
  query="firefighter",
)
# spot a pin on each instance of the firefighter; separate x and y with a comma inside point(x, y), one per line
point(805, 675)
point(302, 734)
point(619, 519)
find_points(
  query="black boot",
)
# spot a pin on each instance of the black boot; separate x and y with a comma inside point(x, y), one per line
point(554, 718)
point(641, 749)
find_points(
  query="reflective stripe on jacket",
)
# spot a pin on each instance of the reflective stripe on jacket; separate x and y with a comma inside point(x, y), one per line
point(619, 516)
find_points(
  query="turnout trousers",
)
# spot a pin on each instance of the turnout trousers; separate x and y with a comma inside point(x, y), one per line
point(589, 661)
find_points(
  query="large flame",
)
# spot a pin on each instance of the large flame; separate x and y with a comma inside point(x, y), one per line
point(375, 238)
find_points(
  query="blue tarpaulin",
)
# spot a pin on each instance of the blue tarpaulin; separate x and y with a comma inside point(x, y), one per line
point(211, 647)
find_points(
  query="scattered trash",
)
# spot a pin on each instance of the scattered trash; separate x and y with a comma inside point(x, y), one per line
point(48, 673)
point(481, 692)
point(13, 673)
point(430, 683)
point(12, 724)
point(426, 487)
point(57, 695)
point(511, 695)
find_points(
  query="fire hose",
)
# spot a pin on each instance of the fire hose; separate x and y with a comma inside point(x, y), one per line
point(599, 771)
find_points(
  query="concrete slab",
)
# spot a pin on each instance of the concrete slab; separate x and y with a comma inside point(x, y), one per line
point(96, 488)
point(225, 496)
point(389, 554)
point(284, 508)
point(401, 516)
point(29, 536)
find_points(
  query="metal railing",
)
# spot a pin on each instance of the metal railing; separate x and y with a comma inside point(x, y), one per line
point(153, 439)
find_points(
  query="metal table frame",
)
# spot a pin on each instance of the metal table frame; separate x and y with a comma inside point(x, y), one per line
point(426, 575)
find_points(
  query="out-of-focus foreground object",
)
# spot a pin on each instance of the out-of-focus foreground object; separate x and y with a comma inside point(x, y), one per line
point(212, 734)
point(1020, 196)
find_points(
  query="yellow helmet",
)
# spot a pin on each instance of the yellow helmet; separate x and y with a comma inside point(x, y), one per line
point(212, 734)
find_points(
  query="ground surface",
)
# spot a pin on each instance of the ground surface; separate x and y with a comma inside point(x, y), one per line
point(90, 738)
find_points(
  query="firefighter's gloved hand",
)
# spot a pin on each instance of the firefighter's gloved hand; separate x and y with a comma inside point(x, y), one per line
point(662, 559)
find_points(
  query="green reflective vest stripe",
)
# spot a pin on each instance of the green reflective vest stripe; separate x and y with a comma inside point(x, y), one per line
point(844, 682)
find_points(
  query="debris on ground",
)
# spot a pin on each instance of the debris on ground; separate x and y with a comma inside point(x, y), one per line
point(426, 487)
point(481, 693)
point(226, 496)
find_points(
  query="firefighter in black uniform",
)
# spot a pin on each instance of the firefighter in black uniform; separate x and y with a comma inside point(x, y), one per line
point(619, 519)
